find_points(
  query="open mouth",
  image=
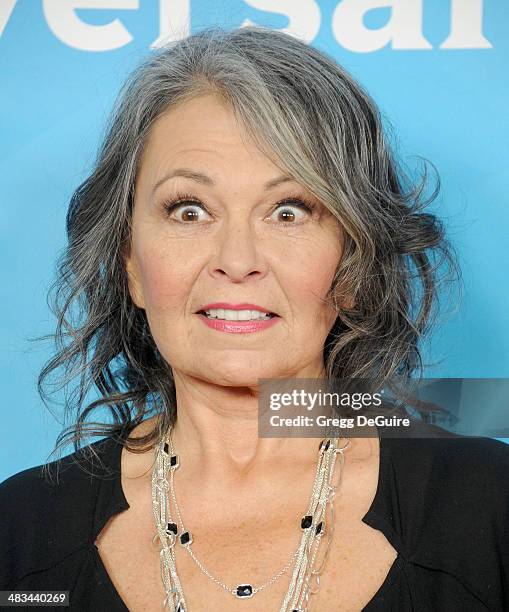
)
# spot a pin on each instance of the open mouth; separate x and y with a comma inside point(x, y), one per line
point(237, 315)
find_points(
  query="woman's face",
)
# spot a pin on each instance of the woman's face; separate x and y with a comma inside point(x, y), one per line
point(230, 240)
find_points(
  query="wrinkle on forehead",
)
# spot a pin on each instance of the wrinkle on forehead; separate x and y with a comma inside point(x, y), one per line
point(252, 141)
point(182, 135)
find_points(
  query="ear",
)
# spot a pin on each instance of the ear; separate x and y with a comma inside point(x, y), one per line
point(134, 280)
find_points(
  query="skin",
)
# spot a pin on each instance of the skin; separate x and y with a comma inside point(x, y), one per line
point(241, 248)
point(230, 481)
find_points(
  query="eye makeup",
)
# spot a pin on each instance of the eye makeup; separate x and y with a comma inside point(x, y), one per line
point(185, 199)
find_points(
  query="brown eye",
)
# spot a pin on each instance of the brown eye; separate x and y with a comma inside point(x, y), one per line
point(189, 215)
point(286, 211)
point(185, 210)
point(286, 215)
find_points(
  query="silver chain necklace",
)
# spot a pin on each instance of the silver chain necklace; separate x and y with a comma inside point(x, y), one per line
point(312, 524)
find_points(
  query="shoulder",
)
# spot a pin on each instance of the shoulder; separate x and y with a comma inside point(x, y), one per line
point(450, 471)
point(476, 466)
point(449, 508)
point(45, 518)
point(55, 477)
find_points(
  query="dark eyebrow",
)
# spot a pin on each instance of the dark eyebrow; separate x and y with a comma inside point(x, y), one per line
point(199, 177)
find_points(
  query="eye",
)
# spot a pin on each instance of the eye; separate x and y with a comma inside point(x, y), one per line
point(285, 215)
point(190, 207)
point(187, 209)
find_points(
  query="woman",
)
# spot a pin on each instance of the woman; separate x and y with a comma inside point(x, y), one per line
point(246, 220)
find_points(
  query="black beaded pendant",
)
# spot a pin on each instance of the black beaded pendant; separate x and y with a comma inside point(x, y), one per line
point(244, 590)
point(306, 521)
point(186, 538)
point(166, 448)
point(171, 528)
point(319, 528)
point(174, 462)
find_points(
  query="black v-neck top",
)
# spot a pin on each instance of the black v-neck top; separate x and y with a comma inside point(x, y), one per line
point(442, 503)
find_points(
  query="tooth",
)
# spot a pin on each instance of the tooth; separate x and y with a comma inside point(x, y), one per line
point(232, 315)
point(237, 315)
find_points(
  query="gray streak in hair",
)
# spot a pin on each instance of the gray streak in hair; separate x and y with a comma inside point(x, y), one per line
point(319, 126)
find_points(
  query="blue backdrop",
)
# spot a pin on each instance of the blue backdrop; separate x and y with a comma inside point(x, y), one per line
point(437, 69)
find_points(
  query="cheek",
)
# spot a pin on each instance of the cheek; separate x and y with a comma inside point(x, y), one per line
point(163, 279)
point(313, 276)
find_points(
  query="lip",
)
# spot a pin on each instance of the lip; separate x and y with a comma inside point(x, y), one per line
point(238, 327)
point(243, 306)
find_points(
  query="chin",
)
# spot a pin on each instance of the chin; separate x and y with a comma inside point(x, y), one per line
point(238, 374)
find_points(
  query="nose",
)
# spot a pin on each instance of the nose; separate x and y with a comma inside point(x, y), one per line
point(237, 254)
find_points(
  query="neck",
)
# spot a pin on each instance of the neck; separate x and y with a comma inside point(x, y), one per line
point(216, 438)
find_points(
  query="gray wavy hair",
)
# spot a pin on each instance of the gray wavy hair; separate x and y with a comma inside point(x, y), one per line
point(306, 112)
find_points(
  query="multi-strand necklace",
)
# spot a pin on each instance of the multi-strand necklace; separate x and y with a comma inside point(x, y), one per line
point(314, 525)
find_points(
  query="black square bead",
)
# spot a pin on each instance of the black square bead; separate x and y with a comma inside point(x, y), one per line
point(185, 538)
point(166, 448)
point(174, 461)
point(171, 527)
point(327, 444)
point(306, 521)
point(244, 590)
point(319, 528)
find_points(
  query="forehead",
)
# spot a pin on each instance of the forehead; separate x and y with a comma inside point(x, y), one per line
point(202, 131)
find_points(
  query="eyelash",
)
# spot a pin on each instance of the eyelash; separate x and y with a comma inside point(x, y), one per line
point(179, 200)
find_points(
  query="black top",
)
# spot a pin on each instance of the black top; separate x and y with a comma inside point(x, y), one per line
point(442, 503)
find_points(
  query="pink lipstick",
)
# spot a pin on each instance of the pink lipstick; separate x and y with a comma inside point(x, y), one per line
point(237, 327)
